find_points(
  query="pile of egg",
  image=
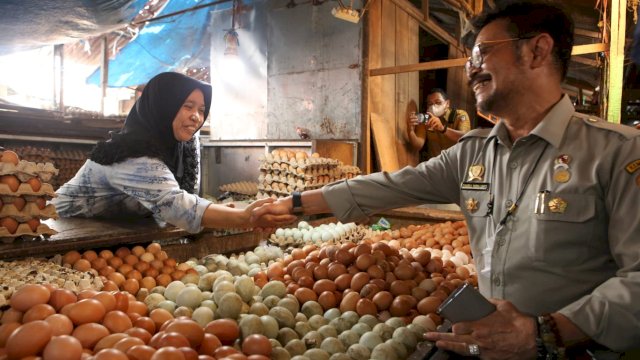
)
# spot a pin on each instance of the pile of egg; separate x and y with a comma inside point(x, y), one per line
point(60, 324)
point(451, 236)
point(285, 171)
point(129, 269)
point(24, 192)
point(325, 233)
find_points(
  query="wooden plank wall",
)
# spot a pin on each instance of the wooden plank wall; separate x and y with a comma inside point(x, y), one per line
point(393, 40)
point(457, 87)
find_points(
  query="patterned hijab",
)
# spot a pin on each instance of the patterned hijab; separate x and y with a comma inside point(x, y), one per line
point(148, 129)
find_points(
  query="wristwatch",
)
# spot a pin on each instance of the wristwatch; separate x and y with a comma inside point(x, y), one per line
point(296, 198)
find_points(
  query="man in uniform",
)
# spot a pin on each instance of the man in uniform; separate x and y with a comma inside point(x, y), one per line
point(549, 196)
point(444, 127)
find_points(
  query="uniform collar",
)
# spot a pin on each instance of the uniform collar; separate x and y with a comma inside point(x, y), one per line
point(551, 128)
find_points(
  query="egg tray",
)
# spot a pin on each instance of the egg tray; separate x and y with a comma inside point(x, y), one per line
point(24, 231)
point(312, 161)
point(242, 187)
point(296, 170)
point(14, 274)
point(285, 189)
point(28, 212)
point(26, 170)
point(26, 190)
point(293, 176)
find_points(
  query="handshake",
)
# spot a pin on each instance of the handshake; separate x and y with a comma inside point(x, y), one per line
point(268, 213)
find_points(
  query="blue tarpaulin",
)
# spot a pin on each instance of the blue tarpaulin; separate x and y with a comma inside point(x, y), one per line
point(170, 44)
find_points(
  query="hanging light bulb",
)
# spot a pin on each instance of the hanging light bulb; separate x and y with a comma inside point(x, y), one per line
point(231, 42)
point(231, 36)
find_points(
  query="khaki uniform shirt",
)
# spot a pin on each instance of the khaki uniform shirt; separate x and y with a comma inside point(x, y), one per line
point(435, 141)
point(572, 245)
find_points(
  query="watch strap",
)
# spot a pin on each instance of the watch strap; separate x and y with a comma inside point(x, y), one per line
point(296, 199)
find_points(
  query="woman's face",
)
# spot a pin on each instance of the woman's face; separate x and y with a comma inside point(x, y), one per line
point(190, 116)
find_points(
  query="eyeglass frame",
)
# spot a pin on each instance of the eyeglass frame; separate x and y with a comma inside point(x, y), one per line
point(476, 49)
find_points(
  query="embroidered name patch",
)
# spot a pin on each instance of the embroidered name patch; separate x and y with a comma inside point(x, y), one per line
point(633, 166)
point(474, 186)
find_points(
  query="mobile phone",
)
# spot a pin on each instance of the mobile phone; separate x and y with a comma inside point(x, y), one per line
point(465, 304)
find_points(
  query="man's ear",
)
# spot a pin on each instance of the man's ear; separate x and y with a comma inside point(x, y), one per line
point(542, 45)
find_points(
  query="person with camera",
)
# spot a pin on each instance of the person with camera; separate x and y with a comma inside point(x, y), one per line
point(439, 128)
point(548, 195)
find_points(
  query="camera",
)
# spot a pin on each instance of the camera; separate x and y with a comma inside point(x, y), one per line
point(422, 118)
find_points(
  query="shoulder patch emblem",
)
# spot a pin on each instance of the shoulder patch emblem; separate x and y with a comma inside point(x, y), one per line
point(633, 166)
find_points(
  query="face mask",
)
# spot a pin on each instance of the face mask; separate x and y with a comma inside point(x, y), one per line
point(437, 110)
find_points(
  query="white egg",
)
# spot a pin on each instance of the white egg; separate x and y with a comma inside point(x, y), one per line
point(316, 236)
point(326, 236)
point(303, 225)
point(279, 232)
point(306, 237)
point(287, 232)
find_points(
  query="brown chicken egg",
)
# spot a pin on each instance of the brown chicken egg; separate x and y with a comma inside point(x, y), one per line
point(87, 311)
point(10, 224)
point(38, 312)
point(117, 321)
point(60, 324)
point(8, 156)
point(11, 181)
point(28, 339)
point(140, 352)
point(63, 347)
point(189, 328)
point(6, 330)
point(29, 295)
point(226, 330)
point(89, 334)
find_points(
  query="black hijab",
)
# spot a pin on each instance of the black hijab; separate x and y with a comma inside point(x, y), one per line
point(148, 129)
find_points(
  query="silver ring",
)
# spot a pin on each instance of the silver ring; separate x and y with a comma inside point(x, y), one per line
point(473, 349)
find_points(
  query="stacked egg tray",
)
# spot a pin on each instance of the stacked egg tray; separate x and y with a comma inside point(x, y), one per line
point(240, 191)
point(305, 234)
point(281, 175)
point(67, 160)
point(21, 203)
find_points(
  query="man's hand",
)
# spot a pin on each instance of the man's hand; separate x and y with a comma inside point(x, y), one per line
point(266, 213)
point(505, 334)
point(434, 123)
point(412, 121)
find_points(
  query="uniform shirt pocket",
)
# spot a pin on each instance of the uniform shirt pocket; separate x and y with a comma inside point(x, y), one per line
point(563, 232)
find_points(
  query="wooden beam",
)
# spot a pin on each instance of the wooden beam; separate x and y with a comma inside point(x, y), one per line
point(429, 25)
point(429, 65)
point(589, 49)
point(583, 60)
point(616, 59)
point(443, 64)
point(587, 33)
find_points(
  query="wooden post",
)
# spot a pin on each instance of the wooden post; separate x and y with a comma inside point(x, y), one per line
point(616, 59)
point(58, 76)
point(104, 71)
point(425, 9)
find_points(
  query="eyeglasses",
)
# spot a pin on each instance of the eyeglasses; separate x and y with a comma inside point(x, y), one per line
point(478, 52)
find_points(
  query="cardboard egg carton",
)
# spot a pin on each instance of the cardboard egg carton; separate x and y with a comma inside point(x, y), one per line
point(29, 211)
point(242, 187)
point(25, 231)
point(26, 190)
point(26, 170)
